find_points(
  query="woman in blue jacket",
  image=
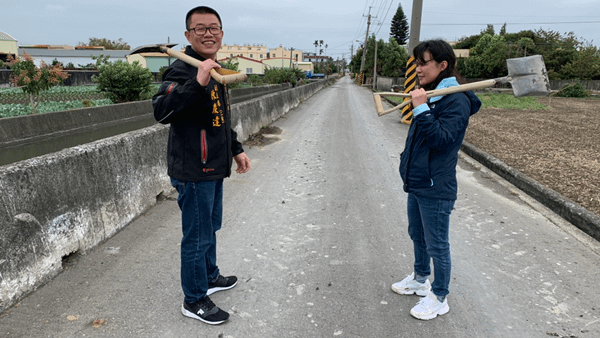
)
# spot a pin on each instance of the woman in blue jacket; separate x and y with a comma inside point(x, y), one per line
point(428, 170)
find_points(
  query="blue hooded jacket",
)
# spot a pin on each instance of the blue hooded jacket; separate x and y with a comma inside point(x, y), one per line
point(428, 162)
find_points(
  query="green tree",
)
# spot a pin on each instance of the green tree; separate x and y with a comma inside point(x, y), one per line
point(585, 65)
point(34, 80)
point(229, 64)
point(470, 41)
point(370, 57)
point(526, 46)
point(487, 59)
point(255, 80)
point(107, 44)
point(503, 30)
point(393, 59)
point(399, 28)
point(123, 81)
point(282, 75)
point(557, 49)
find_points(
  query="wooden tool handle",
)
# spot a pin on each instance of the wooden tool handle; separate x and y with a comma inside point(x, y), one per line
point(223, 76)
point(443, 91)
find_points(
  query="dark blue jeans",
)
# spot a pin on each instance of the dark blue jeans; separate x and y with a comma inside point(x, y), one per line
point(201, 205)
point(428, 227)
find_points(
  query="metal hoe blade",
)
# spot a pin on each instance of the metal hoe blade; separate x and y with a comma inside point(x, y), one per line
point(151, 48)
point(528, 76)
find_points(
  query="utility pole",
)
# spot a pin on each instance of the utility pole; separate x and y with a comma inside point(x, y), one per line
point(415, 25)
point(291, 53)
point(375, 65)
point(169, 42)
point(362, 63)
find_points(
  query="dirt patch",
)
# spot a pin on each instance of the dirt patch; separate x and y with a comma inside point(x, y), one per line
point(266, 135)
point(558, 147)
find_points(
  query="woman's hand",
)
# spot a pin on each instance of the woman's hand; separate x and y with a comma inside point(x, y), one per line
point(418, 97)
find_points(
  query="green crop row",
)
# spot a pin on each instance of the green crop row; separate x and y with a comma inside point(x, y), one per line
point(12, 110)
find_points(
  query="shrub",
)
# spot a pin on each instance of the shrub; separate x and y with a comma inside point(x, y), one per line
point(123, 81)
point(255, 80)
point(34, 80)
point(161, 71)
point(88, 103)
point(575, 89)
point(282, 75)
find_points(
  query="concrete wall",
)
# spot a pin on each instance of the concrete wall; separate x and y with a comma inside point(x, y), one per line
point(71, 200)
point(25, 137)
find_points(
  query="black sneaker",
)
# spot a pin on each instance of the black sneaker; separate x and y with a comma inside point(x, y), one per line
point(221, 284)
point(205, 310)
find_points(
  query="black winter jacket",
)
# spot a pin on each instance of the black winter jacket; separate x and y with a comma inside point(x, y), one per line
point(428, 162)
point(201, 142)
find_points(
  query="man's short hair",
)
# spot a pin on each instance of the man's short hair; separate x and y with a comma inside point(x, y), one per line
point(200, 10)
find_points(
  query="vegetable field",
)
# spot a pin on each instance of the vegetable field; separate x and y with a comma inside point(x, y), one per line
point(14, 102)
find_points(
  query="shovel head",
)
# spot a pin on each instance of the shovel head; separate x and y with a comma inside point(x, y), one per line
point(151, 48)
point(528, 76)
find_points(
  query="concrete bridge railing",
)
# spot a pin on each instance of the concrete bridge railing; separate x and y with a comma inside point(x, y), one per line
point(70, 201)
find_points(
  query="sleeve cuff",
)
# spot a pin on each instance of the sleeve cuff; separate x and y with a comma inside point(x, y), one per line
point(420, 109)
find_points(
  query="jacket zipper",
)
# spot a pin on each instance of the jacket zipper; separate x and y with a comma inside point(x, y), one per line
point(204, 146)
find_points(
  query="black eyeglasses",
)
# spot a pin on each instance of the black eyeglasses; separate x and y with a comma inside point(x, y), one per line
point(214, 30)
point(420, 63)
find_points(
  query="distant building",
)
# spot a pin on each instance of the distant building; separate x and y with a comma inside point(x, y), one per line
point(305, 66)
point(312, 57)
point(247, 65)
point(249, 56)
point(8, 46)
point(79, 57)
point(254, 52)
point(296, 55)
point(258, 52)
point(153, 61)
point(279, 63)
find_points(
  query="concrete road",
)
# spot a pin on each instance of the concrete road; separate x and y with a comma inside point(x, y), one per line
point(317, 233)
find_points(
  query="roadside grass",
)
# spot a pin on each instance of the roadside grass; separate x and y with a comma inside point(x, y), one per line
point(501, 100)
point(508, 101)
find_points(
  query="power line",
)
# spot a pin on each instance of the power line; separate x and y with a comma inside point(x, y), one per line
point(382, 21)
point(508, 23)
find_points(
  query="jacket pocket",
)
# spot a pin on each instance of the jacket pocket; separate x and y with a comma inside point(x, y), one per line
point(204, 145)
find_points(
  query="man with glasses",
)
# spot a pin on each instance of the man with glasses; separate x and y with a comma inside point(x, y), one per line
point(200, 152)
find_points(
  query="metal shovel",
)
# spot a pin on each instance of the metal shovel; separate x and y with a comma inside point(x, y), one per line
point(527, 76)
point(222, 75)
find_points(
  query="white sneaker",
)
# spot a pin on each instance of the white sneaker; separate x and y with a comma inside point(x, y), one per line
point(430, 307)
point(409, 286)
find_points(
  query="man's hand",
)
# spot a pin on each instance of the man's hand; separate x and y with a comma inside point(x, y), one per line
point(203, 76)
point(418, 97)
point(243, 163)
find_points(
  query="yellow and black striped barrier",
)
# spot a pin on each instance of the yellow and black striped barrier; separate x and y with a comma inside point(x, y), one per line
point(360, 78)
point(409, 84)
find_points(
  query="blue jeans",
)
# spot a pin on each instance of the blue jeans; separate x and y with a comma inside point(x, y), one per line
point(201, 205)
point(428, 227)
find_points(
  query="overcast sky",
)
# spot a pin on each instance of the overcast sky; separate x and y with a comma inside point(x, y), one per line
point(291, 23)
